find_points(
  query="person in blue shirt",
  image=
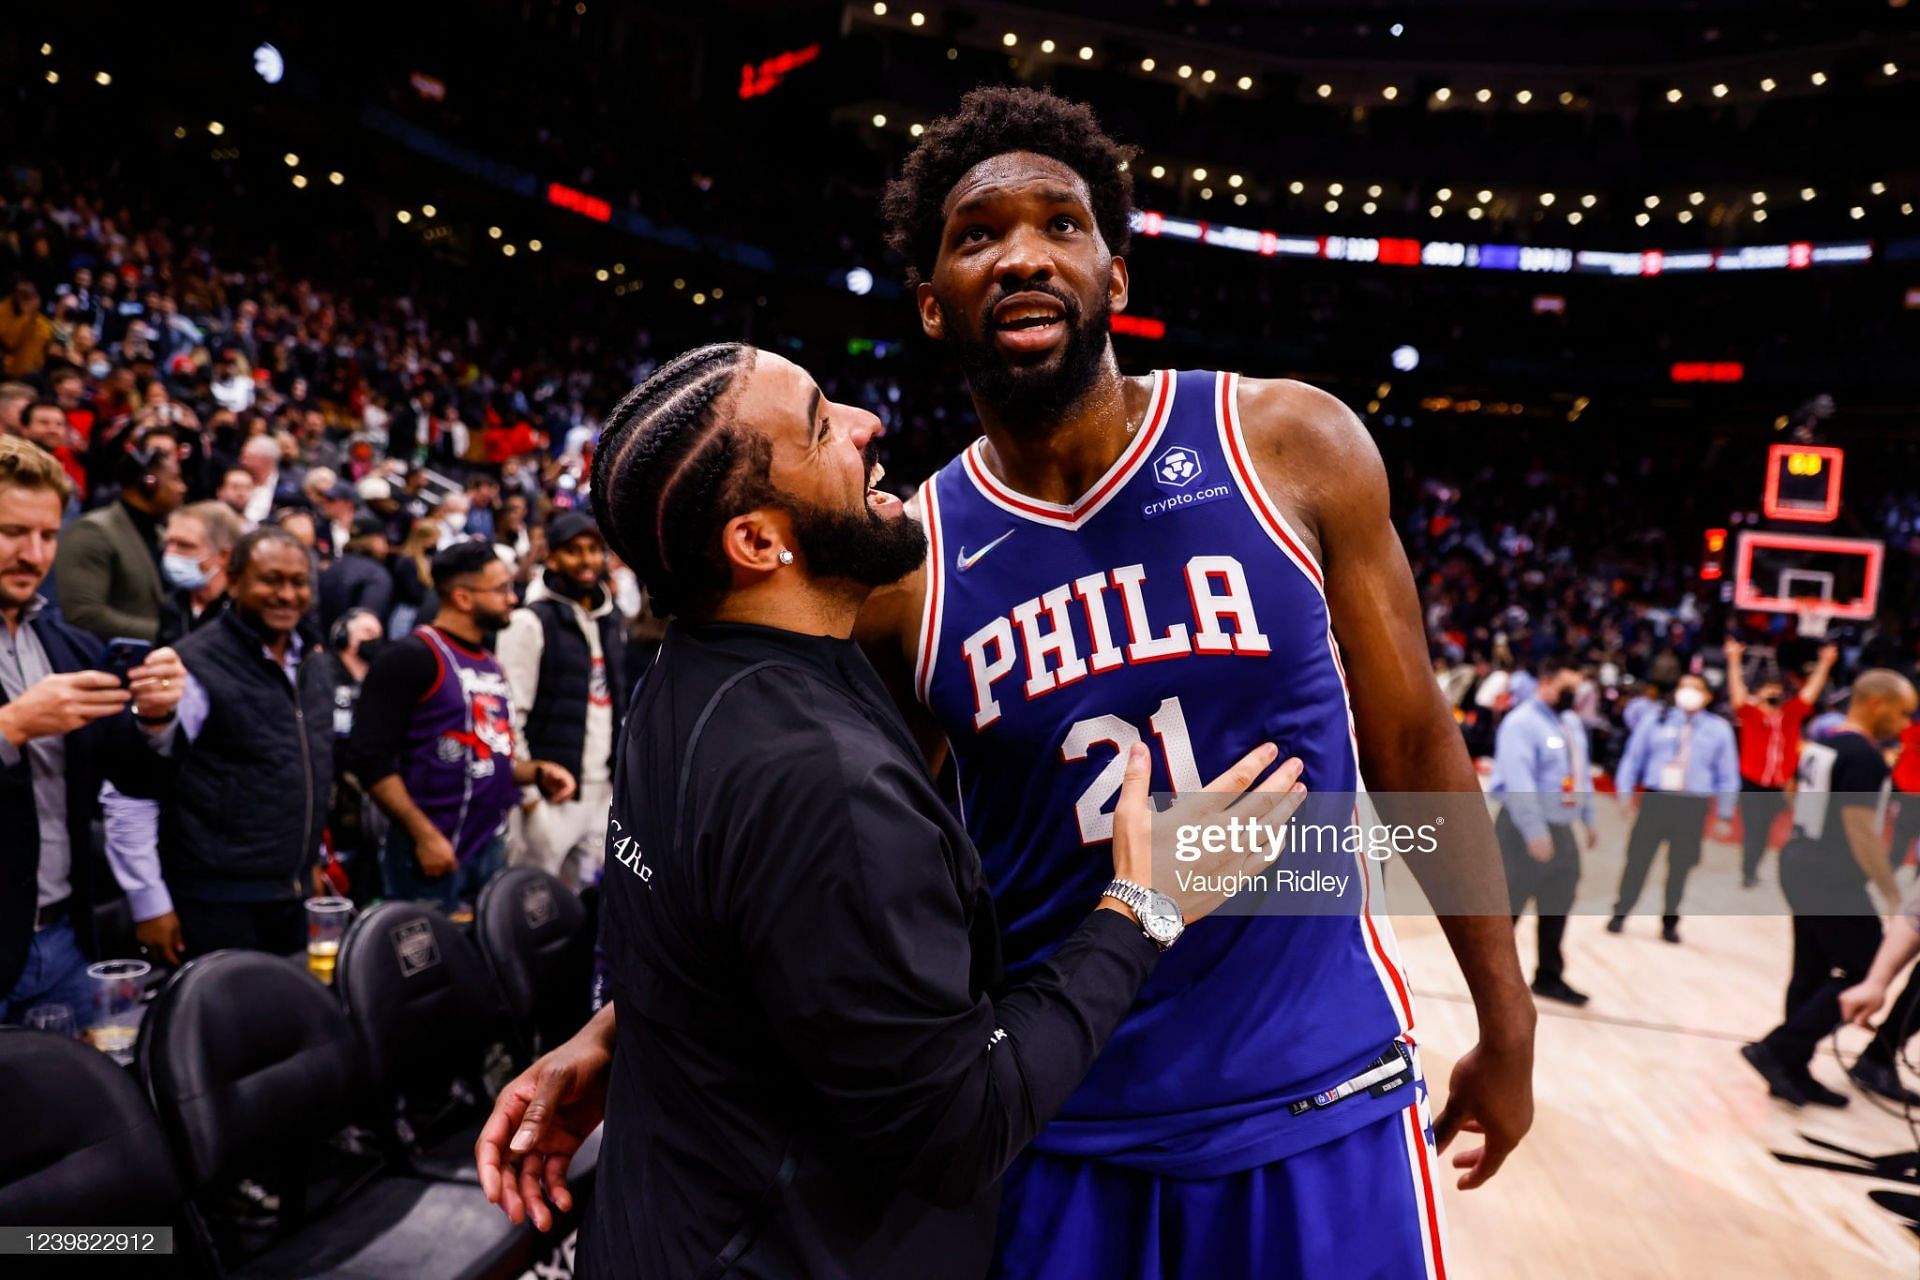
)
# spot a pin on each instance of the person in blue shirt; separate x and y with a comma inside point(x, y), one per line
point(1685, 757)
point(1543, 772)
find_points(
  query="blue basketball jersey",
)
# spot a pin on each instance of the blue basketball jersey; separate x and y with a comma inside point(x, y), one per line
point(1171, 605)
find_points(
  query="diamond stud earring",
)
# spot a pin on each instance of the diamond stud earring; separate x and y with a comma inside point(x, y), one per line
point(786, 557)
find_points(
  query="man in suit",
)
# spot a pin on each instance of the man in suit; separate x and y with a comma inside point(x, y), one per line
point(63, 727)
point(108, 569)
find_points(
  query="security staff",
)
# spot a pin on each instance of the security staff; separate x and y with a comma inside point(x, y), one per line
point(804, 957)
point(1543, 771)
point(1686, 757)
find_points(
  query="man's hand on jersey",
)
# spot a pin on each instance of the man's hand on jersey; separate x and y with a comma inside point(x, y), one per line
point(1491, 1094)
point(1271, 803)
point(538, 1123)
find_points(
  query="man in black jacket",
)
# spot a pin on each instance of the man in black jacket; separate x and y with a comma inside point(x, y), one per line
point(63, 727)
point(239, 830)
point(816, 1066)
point(359, 578)
point(565, 658)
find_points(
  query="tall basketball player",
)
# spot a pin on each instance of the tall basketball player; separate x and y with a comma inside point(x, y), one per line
point(1198, 561)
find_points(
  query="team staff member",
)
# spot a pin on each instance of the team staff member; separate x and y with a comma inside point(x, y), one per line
point(565, 658)
point(1686, 758)
point(1543, 769)
point(1835, 851)
point(432, 738)
point(63, 725)
point(803, 950)
point(1769, 724)
point(238, 834)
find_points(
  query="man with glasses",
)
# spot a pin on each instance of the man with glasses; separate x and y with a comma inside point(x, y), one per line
point(433, 738)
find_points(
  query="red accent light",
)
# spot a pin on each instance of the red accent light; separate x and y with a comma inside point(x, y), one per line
point(1151, 227)
point(1400, 253)
point(579, 202)
point(765, 78)
point(1716, 540)
point(1652, 262)
point(1270, 245)
point(1708, 371)
point(1784, 456)
point(1799, 255)
point(1711, 572)
point(1139, 326)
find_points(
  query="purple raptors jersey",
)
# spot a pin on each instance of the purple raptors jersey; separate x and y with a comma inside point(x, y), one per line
point(1172, 605)
point(459, 746)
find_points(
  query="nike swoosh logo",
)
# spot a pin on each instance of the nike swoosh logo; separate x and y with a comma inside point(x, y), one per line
point(965, 562)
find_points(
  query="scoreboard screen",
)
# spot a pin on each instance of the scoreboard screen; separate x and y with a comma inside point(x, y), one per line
point(1803, 482)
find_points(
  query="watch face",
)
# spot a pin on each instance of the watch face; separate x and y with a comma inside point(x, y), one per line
point(1161, 919)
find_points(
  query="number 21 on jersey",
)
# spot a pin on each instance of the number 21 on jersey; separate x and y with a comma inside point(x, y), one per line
point(1094, 807)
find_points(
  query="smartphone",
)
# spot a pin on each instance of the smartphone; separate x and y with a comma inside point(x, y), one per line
point(124, 653)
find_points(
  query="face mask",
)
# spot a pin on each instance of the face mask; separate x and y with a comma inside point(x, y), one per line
point(184, 572)
point(456, 523)
point(99, 369)
point(369, 651)
point(1689, 699)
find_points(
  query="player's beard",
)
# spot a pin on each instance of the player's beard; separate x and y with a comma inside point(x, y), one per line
point(1032, 398)
point(857, 546)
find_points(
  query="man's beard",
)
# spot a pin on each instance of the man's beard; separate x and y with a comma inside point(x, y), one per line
point(1032, 397)
point(863, 546)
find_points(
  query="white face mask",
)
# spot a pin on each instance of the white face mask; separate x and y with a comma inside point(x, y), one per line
point(1689, 698)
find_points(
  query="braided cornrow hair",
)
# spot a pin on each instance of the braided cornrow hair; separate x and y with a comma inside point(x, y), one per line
point(672, 467)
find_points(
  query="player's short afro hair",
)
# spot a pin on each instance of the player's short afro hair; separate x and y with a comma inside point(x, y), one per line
point(991, 121)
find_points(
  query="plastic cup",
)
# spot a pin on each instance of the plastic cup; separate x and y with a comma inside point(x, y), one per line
point(116, 1004)
point(327, 920)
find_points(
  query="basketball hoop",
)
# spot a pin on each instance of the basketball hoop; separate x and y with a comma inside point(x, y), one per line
point(1813, 621)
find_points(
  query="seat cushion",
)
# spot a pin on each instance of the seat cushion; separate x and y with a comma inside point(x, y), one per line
point(403, 1227)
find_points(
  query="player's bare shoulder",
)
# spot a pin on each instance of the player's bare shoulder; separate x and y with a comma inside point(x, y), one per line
point(1312, 454)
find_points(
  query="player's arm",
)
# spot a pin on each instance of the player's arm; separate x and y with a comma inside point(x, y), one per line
point(888, 630)
point(1408, 741)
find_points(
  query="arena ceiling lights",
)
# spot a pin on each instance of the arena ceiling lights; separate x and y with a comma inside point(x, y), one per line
point(1406, 252)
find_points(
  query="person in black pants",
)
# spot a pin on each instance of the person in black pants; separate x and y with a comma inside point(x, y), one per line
point(1824, 868)
point(1543, 773)
point(1686, 757)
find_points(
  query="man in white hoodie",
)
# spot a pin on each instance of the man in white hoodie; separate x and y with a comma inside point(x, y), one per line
point(563, 654)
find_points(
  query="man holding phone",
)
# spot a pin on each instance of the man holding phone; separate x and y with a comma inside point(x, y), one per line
point(63, 726)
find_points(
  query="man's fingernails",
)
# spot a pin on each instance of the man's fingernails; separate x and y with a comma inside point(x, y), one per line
point(522, 1140)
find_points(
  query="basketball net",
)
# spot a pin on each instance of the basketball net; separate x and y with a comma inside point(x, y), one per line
point(1813, 622)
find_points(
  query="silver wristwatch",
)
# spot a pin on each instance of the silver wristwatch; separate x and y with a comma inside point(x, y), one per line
point(1158, 915)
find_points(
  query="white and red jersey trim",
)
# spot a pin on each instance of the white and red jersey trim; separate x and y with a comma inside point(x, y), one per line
point(1131, 459)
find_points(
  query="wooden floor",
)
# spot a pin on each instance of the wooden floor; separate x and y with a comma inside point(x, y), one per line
point(1651, 1150)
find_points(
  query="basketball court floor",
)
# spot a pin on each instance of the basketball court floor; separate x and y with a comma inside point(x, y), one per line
point(1653, 1146)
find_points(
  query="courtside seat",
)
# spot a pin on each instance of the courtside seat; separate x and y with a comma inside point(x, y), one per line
point(82, 1147)
point(533, 933)
point(424, 1008)
point(250, 1064)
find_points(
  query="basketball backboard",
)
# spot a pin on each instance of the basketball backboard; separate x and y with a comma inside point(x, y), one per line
point(1801, 573)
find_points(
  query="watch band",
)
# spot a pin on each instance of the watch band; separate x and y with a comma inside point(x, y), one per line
point(1135, 896)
